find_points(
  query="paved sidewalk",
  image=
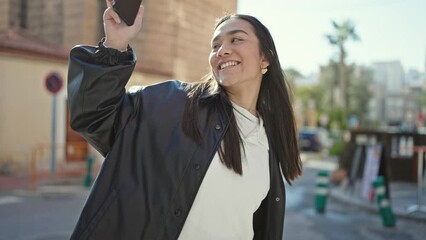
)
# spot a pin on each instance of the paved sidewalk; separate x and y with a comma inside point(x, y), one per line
point(71, 175)
point(403, 198)
point(13, 182)
point(403, 194)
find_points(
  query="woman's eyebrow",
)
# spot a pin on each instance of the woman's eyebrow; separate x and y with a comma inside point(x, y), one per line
point(232, 32)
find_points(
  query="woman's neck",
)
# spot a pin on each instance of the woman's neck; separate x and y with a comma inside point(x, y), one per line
point(245, 95)
point(246, 102)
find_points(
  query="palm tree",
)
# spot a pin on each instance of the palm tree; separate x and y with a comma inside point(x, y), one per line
point(342, 33)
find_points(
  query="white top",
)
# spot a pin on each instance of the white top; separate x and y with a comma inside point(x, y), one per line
point(224, 206)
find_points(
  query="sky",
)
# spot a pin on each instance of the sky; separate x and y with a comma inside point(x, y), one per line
point(389, 30)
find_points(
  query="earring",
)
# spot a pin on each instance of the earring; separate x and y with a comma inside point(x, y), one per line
point(264, 70)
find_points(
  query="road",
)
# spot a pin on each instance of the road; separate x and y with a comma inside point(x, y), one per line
point(48, 214)
point(51, 213)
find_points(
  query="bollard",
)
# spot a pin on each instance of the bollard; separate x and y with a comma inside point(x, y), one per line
point(321, 191)
point(385, 208)
point(88, 178)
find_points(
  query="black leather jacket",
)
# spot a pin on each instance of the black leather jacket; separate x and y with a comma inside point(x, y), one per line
point(152, 170)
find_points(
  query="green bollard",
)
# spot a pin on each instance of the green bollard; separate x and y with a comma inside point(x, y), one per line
point(88, 178)
point(383, 202)
point(321, 191)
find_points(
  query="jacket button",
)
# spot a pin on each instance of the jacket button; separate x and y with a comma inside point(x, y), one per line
point(178, 212)
point(197, 166)
point(277, 199)
point(217, 127)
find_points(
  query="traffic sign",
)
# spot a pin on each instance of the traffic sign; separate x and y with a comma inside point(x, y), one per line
point(54, 82)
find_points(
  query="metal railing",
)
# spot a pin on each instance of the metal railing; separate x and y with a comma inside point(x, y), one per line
point(45, 167)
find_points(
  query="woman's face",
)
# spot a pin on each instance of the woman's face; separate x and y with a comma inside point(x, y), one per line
point(235, 58)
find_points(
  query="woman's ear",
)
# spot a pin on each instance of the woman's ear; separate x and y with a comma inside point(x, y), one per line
point(264, 63)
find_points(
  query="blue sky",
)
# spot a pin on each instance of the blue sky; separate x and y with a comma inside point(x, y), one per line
point(389, 30)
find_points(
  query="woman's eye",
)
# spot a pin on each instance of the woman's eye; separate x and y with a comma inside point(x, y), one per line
point(236, 40)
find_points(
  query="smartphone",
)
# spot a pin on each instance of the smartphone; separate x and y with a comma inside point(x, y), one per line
point(127, 10)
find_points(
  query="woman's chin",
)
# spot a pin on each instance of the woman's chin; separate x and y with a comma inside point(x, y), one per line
point(225, 82)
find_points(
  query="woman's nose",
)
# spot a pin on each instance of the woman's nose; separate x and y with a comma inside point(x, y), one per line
point(224, 50)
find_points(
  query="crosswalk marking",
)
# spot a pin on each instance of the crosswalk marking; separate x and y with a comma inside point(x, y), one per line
point(320, 165)
point(9, 200)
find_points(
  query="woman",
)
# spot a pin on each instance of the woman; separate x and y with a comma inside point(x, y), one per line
point(186, 161)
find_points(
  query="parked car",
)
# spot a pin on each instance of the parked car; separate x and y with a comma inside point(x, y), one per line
point(313, 139)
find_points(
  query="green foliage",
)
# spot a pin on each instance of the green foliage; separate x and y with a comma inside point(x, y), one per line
point(308, 93)
point(421, 99)
point(337, 118)
point(328, 80)
point(340, 35)
point(342, 32)
point(358, 93)
point(337, 148)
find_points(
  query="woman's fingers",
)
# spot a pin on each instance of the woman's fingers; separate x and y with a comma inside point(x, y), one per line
point(117, 34)
point(110, 14)
point(109, 3)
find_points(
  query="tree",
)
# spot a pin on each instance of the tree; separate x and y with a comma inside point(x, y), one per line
point(341, 34)
point(357, 92)
point(328, 79)
point(420, 99)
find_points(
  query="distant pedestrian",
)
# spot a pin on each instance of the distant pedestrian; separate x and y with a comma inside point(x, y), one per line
point(183, 160)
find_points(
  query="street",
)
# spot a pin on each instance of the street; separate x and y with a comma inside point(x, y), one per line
point(48, 214)
point(51, 213)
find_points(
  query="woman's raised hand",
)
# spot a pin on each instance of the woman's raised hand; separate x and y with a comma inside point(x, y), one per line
point(117, 34)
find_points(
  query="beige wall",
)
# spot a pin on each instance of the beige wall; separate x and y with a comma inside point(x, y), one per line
point(26, 109)
point(25, 106)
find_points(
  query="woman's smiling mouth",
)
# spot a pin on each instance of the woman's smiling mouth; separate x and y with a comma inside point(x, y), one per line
point(228, 64)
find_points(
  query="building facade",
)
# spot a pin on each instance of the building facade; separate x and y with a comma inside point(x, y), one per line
point(387, 101)
point(35, 39)
point(395, 100)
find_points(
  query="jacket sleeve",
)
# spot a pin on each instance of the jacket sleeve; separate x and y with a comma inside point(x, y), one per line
point(98, 103)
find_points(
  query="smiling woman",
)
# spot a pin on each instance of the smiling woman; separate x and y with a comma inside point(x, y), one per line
point(186, 161)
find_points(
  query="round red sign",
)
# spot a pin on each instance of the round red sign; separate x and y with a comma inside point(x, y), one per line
point(53, 82)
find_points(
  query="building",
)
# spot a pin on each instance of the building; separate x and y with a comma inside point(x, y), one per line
point(387, 100)
point(35, 39)
point(395, 102)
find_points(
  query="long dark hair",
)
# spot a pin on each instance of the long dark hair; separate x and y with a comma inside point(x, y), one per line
point(274, 106)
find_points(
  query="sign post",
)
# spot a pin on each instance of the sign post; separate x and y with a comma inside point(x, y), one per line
point(53, 82)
